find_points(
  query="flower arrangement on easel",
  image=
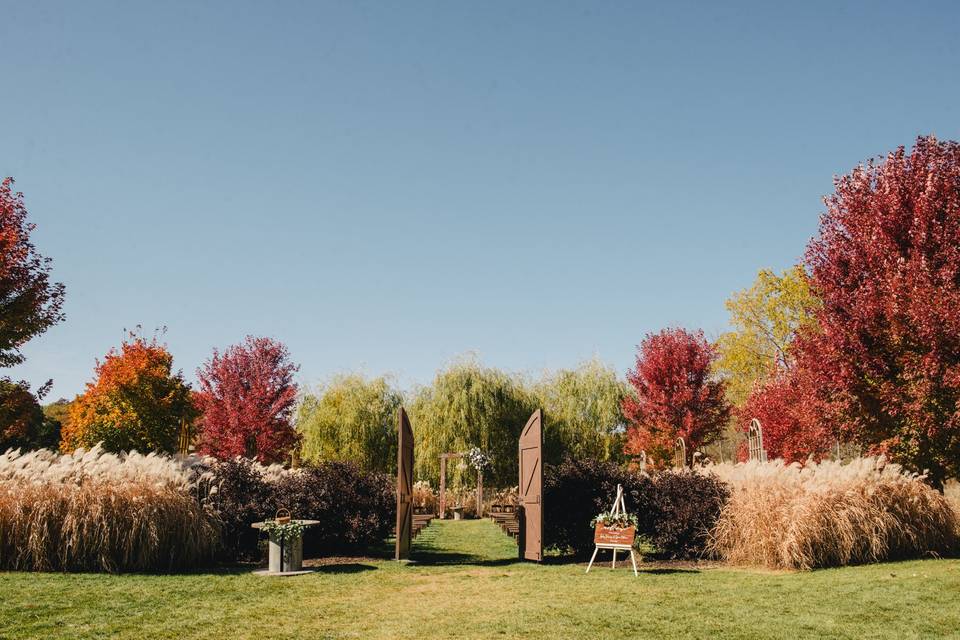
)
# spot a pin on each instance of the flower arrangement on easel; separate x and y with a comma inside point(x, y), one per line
point(613, 520)
point(615, 530)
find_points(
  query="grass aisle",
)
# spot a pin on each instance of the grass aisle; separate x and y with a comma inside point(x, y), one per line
point(466, 583)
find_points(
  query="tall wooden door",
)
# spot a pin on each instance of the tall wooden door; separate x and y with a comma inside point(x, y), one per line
point(404, 486)
point(531, 488)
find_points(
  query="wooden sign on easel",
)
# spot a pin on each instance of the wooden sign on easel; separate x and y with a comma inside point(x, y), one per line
point(615, 538)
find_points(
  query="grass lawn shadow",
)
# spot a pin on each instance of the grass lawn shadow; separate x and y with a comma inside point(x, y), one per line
point(477, 543)
point(349, 567)
point(441, 558)
point(561, 560)
point(665, 571)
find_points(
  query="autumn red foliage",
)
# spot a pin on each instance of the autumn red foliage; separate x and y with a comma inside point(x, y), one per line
point(675, 395)
point(886, 266)
point(246, 399)
point(790, 417)
point(135, 402)
point(29, 302)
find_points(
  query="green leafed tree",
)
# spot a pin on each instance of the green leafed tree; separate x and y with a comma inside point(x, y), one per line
point(351, 418)
point(469, 405)
point(765, 319)
point(23, 423)
point(57, 411)
point(584, 414)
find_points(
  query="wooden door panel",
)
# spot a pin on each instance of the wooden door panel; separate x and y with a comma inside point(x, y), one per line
point(404, 486)
point(531, 488)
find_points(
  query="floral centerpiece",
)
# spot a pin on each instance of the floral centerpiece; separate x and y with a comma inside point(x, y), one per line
point(285, 529)
point(478, 459)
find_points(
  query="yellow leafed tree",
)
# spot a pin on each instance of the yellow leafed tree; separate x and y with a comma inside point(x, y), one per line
point(765, 318)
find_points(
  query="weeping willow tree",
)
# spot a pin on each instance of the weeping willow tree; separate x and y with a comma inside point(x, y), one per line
point(470, 406)
point(583, 406)
point(351, 418)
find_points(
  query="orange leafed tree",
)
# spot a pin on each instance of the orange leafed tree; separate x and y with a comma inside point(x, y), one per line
point(135, 402)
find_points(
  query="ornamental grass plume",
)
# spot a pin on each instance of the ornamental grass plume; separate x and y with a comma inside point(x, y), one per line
point(793, 516)
point(96, 511)
point(951, 490)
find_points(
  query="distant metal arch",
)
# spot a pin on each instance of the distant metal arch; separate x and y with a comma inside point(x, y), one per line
point(680, 454)
point(755, 442)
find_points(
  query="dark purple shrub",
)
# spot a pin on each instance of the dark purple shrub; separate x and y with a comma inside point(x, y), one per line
point(577, 490)
point(355, 509)
point(684, 507)
point(675, 509)
point(242, 497)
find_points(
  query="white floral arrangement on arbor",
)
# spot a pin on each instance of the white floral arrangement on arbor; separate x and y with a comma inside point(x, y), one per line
point(478, 459)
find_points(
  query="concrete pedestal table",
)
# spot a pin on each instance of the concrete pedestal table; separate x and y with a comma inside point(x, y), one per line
point(286, 556)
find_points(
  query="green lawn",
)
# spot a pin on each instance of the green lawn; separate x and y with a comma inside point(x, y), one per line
point(466, 584)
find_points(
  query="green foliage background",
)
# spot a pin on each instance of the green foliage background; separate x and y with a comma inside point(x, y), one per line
point(24, 424)
point(469, 405)
point(584, 412)
point(351, 418)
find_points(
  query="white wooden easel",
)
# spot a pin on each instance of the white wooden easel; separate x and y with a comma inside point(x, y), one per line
point(618, 509)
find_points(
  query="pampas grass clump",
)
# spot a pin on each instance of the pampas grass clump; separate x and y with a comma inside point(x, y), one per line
point(952, 491)
point(829, 514)
point(96, 511)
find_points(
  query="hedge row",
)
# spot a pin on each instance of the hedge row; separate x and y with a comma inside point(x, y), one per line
point(93, 511)
point(96, 511)
point(354, 508)
point(676, 509)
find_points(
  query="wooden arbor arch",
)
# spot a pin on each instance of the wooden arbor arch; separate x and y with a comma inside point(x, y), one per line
point(442, 509)
point(641, 461)
point(443, 485)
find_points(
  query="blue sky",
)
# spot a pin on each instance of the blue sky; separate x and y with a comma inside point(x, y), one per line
point(384, 186)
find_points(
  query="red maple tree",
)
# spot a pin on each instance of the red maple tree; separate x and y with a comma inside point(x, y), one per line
point(886, 266)
point(246, 399)
point(29, 303)
point(675, 395)
point(790, 417)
